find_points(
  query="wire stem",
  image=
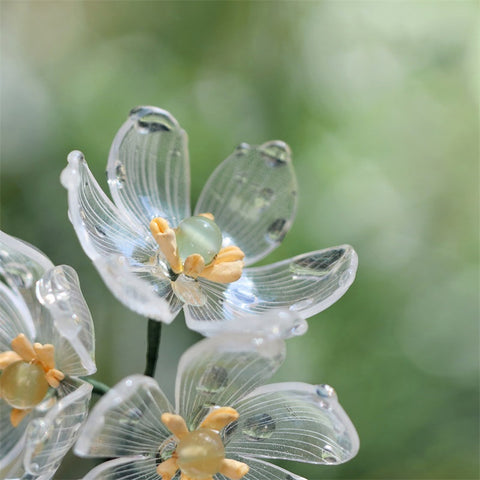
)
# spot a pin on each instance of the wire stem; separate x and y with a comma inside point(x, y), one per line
point(154, 335)
point(98, 387)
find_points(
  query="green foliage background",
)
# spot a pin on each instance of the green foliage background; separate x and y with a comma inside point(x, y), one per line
point(379, 102)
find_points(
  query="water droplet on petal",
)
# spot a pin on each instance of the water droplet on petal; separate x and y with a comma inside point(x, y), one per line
point(242, 149)
point(19, 274)
point(213, 380)
point(151, 119)
point(264, 198)
point(326, 391)
point(166, 450)
point(259, 427)
point(327, 454)
point(275, 153)
point(301, 305)
point(120, 174)
point(100, 231)
point(277, 230)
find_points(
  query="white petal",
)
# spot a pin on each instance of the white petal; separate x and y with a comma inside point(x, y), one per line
point(148, 168)
point(126, 421)
point(59, 292)
point(260, 470)
point(15, 317)
point(102, 228)
point(50, 437)
point(253, 196)
point(126, 468)
point(222, 369)
point(306, 284)
point(292, 421)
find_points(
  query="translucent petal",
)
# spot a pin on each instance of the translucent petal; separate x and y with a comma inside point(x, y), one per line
point(12, 438)
point(292, 421)
point(140, 290)
point(59, 292)
point(260, 470)
point(306, 284)
point(253, 196)
point(126, 468)
point(50, 437)
point(148, 169)
point(126, 421)
point(219, 370)
point(102, 228)
point(15, 318)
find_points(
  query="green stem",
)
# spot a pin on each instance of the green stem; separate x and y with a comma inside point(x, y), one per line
point(98, 387)
point(154, 335)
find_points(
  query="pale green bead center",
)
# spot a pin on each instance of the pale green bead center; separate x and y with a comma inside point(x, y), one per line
point(198, 235)
point(23, 385)
point(200, 453)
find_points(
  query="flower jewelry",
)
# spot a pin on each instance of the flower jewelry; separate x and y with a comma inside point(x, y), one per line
point(225, 424)
point(46, 341)
point(155, 257)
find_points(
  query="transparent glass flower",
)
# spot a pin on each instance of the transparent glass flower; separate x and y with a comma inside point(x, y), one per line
point(46, 343)
point(250, 199)
point(221, 399)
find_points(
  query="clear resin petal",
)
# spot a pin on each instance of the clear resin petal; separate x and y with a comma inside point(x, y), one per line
point(140, 289)
point(306, 284)
point(260, 470)
point(126, 421)
point(219, 370)
point(253, 196)
point(126, 468)
point(12, 438)
point(15, 318)
point(148, 168)
point(102, 228)
point(292, 421)
point(59, 292)
point(50, 437)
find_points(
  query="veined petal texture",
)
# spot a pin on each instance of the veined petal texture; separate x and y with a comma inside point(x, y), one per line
point(50, 437)
point(126, 421)
point(59, 292)
point(218, 370)
point(253, 196)
point(126, 468)
point(148, 167)
point(306, 284)
point(292, 421)
point(260, 470)
point(102, 228)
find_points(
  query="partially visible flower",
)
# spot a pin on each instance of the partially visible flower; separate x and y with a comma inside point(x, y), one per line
point(46, 343)
point(155, 257)
point(226, 423)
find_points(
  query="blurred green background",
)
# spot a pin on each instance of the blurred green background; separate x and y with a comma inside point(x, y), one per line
point(379, 102)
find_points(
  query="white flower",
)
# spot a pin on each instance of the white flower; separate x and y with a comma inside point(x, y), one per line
point(225, 424)
point(46, 343)
point(156, 258)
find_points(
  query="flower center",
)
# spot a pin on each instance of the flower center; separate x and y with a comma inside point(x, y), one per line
point(23, 385)
point(200, 453)
point(199, 235)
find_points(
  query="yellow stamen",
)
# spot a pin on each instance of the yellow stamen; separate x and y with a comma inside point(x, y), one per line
point(193, 265)
point(175, 423)
point(219, 418)
point(22, 346)
point(6, 358)
point(45, 355)
point(17, 415)
point(207, 215)
point(226, 272)
point(54, 377)
point(165, 237)
point(167, 469)
point(233, 469)
point(229, 254)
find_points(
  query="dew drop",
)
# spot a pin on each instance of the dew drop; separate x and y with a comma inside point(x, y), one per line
point(242, 149)
point(166, 449)
point(151, 120)
point(259, 427)
point(277, 230)
point(264, 198)
point(301, 305)
point(213, 380)
point(100, 231)
point(120, 174)
point(19, 274)
point(275, 153)
point(325, 391)
point(327, 454)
